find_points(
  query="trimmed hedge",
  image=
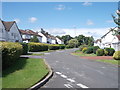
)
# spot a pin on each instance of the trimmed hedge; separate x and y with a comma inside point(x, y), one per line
point(62, 46)
point(36, 47)
point(82, 46)
point(54, 47)
point(95, 48)
point(84, 50)
point(109, 51)
point(25, 48)
point(89, 50)
point(68, 46)
point(116, 55)
point(10, 53)
point(100, 52)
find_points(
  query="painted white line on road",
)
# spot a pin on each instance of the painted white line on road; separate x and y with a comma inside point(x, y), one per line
point(68, 86)
point(63, 76)
point(82, 86)
point(58, 73)
point(71, 80)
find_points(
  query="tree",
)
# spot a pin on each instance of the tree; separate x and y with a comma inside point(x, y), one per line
point(73, 43)
point(80, 39)
point(66, 38)
point(34, 39)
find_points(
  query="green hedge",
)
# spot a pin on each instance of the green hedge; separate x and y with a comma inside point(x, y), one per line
point(36, 47)
point(25, 48)
point(116, 55)
point(95, 48)
point(10, 53)
point(100, 52)
point(109, 51)
point(54, 47)
point(62, 46)
point(89, 50)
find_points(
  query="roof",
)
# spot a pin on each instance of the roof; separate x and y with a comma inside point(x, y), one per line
point(29, 32)
point(108, 32)
point(98, 40)
point(8, 25)
point(118, 36)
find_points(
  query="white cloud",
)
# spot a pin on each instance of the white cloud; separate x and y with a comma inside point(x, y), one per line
point(33, 19)
point(87, 4)
point(60, 7)
point(95, 32)
point(90, 22)
point(109, 21)
point(17, 20)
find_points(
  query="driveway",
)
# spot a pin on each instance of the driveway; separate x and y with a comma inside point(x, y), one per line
point(75, 72)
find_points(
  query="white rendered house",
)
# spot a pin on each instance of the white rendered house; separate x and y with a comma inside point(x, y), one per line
point(9, 32)
point(59, 41)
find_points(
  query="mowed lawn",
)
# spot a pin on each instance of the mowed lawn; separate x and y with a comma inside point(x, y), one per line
point(24, 73)
point(80, 53)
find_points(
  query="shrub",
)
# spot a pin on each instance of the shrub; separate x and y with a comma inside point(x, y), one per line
point(73, 43)
point(62, 46)
point(84, 50)
point(109, 51)
point(116, 55)
point(68, 46)
point(53, 47)
point(36, 47)
point(25, 48)
point(10, 53)
point(89, 50)
point(82, 46)
point(100, 52)
point(95, 48)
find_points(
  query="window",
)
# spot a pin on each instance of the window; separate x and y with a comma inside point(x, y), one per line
point(12, 34)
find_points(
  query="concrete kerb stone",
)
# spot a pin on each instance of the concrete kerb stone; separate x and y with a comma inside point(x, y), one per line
point(41, 83)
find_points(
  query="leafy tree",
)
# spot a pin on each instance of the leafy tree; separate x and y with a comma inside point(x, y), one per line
point(66, 38)
point(34, 39)
point(80, 39)
point(73, 43)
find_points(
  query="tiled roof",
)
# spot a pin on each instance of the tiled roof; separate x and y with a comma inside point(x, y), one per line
point(29, 32)
point(8, 25)
point(118, 36)
point(98, 40)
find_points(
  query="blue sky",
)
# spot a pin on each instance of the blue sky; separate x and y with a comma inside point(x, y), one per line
point(60, 18)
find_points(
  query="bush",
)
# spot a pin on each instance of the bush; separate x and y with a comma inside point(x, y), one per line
point(109, 51)
point(73, 43)
point(68, 46)
point(62, 46)
point(36, 47)
point(100, 52)
point(82, 46)
point(10, 53)
point(25, 48)
point(116, 55)
point(89, 50)
point(54, 47)
point(84, 50)
point(95, 48)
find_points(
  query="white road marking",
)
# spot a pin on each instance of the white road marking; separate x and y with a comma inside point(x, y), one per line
point(82, 86)
point(46, 53)
point(63, 76)
point(71, 80)
point(58, 73)
point(68, 86)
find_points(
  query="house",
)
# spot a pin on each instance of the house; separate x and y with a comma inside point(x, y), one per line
point(97, 42)
point(44, 37)
point(59, 41)
point(9, 31)
point(28, 34)
point(109, 40)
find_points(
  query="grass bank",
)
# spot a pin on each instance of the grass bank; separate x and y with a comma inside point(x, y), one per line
point(24, 73)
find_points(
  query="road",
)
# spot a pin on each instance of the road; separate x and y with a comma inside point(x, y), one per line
point(73, 72)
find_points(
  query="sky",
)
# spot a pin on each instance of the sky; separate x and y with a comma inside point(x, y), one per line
point(62, 18)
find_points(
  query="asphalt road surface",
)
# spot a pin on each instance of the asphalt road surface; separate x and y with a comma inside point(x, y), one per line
point(73, 72)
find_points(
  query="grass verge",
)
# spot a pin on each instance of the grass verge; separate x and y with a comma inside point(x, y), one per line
point(110, 61)
point(80, 53)
point(24, 73)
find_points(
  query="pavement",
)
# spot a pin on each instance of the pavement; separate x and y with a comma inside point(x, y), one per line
point(74, 72)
